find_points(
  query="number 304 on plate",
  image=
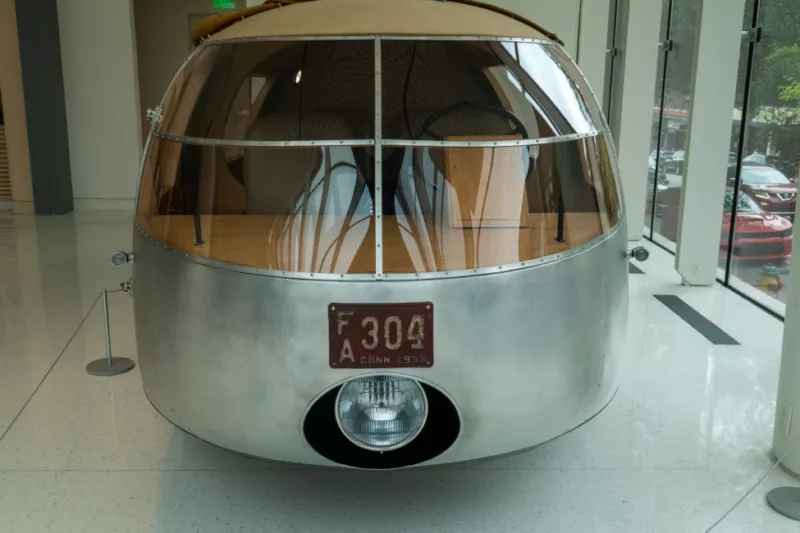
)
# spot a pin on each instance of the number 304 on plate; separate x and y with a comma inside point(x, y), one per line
point(398, 335)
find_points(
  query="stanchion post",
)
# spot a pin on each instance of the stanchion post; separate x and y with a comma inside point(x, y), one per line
point(109, 366)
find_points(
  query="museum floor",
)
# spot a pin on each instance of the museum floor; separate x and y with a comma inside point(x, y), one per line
point(686, 436)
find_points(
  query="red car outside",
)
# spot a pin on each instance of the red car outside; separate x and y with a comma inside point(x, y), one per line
point(760, 235)
point(770, 189)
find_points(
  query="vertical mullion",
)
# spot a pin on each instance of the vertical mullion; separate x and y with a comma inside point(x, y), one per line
point(665, 71)
point(748, 81)
point(580, 30)
point(612, 59)
point(378, 121)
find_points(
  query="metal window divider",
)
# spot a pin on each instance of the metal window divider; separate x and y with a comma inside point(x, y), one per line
point(378, 124)
point(741, 138)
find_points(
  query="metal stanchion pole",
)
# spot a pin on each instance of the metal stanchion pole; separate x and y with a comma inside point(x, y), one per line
point(109, 366)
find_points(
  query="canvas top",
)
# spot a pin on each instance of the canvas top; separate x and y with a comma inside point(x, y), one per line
point(289, 18)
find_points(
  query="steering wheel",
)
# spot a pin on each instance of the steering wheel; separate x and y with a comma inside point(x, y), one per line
point(491, 108)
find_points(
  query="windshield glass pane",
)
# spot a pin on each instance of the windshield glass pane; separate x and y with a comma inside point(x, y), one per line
point(304, 90)
point(466, 208)
point(563, 84)
point(763, 176)
point(439, 90)
point(286, 209)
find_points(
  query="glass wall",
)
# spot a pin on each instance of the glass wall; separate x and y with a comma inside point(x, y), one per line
point(671, 112)
point(764, 161)
point(757, 230)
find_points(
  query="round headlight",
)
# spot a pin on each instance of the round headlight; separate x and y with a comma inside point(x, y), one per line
point(381, 413)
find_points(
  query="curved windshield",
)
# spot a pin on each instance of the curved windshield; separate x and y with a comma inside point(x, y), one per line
point(443, 89)
point(763, 176)
point(307, 90)
point(287, 209)
point(458, 208)
point(266, 156)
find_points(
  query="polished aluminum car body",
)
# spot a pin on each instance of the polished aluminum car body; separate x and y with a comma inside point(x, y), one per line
point(237, 359)
point(235, 270)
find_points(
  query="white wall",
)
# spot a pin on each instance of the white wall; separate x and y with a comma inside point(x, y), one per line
point(98, 53)
point(163, 43)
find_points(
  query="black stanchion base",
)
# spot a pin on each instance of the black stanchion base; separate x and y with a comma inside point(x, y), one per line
point(786, 501)
point(119, 365)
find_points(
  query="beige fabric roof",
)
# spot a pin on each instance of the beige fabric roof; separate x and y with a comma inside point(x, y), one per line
point(385, 17)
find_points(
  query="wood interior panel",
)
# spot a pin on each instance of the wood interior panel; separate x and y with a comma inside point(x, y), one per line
point(262, 241)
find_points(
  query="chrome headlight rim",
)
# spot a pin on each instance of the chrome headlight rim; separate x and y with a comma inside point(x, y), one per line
point(382, 449)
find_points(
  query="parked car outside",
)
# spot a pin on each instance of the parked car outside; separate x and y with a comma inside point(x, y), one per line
point(760, 234)
point(769, 187)
point(774, 161)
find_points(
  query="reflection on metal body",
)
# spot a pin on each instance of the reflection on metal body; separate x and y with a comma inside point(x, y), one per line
point(237, 359)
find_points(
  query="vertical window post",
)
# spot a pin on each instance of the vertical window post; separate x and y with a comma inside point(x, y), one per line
point(378, 162)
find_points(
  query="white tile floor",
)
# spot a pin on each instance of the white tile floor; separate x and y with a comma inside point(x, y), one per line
point(688, 433)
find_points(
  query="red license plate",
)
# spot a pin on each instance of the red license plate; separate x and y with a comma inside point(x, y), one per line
point(381, 335)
